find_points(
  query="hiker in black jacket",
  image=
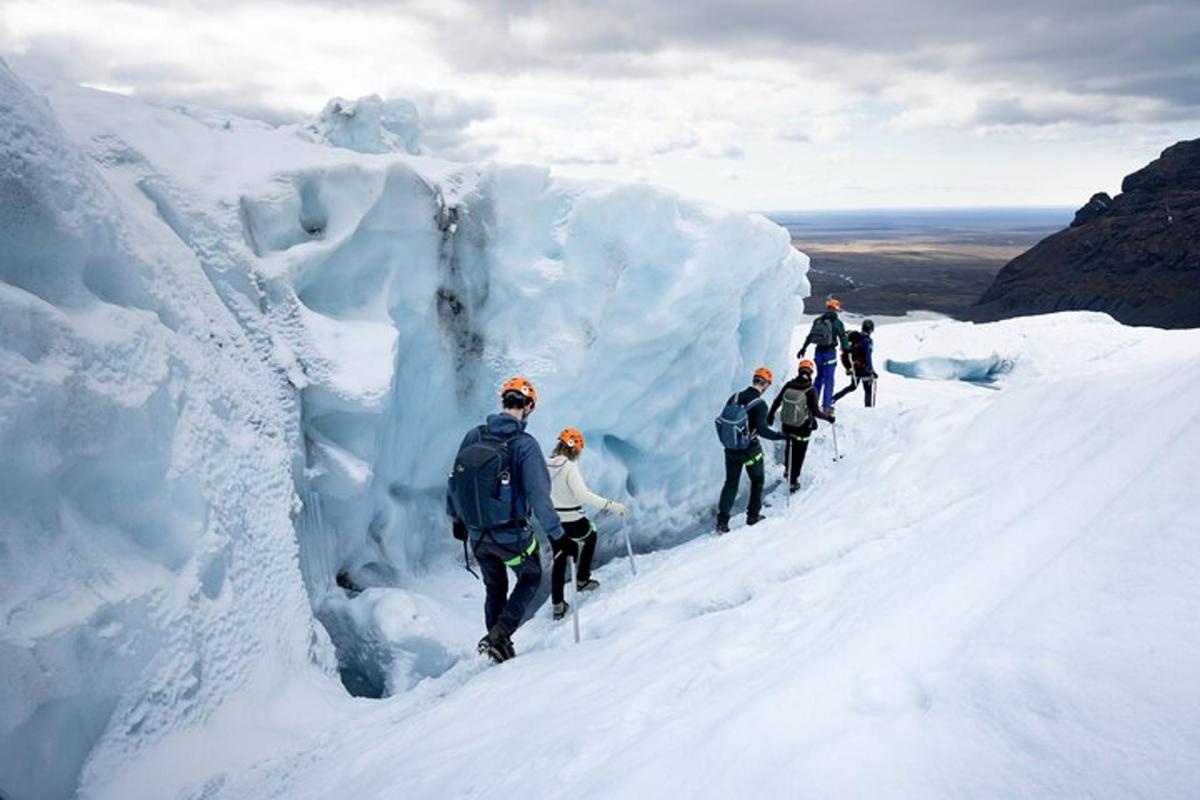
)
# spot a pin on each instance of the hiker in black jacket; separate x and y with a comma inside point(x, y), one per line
point(801, 411)
point(859, 364)
point(750, 458)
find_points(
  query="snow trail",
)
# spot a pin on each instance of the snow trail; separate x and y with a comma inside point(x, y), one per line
point(969, 604)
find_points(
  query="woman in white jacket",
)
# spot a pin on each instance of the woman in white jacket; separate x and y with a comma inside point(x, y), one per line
point(570, 494)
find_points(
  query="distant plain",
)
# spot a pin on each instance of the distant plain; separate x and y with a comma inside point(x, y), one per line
point(883, 261)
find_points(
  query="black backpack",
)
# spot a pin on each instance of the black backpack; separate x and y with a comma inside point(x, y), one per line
point(822, 334)
point(858, 347)
point(481, 481)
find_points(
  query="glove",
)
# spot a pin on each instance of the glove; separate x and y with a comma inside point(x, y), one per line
point(620, 509)
point(460, 530)
point(801, 353)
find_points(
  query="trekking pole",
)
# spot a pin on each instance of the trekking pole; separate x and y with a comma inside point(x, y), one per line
point(629, 548)
point(787, 478)
point(835, 446)
point(574, 598)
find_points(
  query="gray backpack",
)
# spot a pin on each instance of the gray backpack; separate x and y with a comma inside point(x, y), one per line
point(794, 411)
point(822, 331)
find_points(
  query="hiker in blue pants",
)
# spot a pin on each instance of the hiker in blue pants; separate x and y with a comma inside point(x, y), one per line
point(826, 333)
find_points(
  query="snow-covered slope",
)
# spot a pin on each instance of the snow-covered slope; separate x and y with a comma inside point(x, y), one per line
point(228, 350)
point(992, 595)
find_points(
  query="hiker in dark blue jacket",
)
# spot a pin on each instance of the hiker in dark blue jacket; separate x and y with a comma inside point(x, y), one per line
point(502, 544)
point(826, 333)
point(750, 458)
point(860, 364)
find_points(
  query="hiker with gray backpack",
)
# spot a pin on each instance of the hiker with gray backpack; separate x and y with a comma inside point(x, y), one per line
point(826, 333)
point(798, 411)
point(742, 422)
point(498, 480)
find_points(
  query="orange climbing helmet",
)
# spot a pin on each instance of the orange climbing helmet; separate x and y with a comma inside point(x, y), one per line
point(833, 304)
point(807, 364)
point(520, 386)
point(764, 374)
point(572, 439)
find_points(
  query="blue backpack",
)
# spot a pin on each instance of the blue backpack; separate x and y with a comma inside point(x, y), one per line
point(481, 484)
point(733, 425)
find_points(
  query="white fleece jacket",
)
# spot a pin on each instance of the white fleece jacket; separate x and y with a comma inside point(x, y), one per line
point(568, 491)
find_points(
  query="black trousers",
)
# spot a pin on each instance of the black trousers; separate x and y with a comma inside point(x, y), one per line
point(750, 459)
point(795, 449)
point(494, 562)
point(868, 384)
point(578, 540)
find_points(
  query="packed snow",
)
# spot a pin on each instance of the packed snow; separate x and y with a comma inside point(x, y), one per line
point(236, 362)
point(991, 595)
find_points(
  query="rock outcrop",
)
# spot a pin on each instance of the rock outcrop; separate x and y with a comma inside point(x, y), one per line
point(1135, 256)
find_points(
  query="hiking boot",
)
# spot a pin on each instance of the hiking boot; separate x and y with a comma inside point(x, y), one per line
point(497, 645)
point(757, 518)
point(795, 487)
point(560, 610)
point(587, 586)
point(722, 527)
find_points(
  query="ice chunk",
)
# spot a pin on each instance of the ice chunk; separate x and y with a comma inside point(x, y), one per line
point(370, 125)
point(940, 368)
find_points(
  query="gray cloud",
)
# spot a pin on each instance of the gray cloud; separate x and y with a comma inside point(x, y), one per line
point(1097, 48)
point(1088, 62)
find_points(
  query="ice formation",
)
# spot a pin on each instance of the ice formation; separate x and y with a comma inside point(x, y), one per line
point(369, 125)
point(228, 351)
point(148, 561)
point(942, 368)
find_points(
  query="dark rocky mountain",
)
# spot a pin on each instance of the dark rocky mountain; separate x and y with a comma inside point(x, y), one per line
point(1135, 256)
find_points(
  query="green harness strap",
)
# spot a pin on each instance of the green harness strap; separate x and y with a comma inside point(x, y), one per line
point(516, 560)
point(755, 460)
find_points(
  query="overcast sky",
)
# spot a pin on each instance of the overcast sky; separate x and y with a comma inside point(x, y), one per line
point(755, 104)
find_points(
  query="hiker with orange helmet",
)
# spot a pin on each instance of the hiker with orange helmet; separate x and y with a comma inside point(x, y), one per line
point(742, 422)
point(800, 412)
point(570, 494)
point(826, 333)
point(499, 479)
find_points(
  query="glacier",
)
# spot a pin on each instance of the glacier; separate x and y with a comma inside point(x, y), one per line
point(237, 362)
